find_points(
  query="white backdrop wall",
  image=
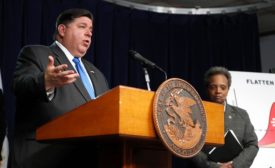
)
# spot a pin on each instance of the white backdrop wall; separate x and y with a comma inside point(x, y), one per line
point(255, 92)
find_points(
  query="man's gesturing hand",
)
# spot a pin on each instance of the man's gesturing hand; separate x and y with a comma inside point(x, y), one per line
point(57, 76)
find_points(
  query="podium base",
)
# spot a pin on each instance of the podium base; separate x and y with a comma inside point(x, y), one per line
point(134, 154)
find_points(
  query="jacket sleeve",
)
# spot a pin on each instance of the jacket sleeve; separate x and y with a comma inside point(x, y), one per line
point(28, 81)
point(201, 161)
point(250, 144)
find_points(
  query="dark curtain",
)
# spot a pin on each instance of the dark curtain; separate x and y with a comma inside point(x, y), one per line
point(183, 45)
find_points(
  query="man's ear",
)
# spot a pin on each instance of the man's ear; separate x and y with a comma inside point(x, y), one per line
point(61, 30)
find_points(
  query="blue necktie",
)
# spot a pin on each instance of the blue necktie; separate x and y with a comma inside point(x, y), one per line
point(84, 78)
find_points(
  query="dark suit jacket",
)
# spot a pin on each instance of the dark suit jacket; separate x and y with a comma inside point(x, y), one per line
point(2, 122)
point(34, 109)
point(237, 120)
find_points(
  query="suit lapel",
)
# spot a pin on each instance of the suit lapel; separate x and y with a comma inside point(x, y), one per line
point(61, 58)
point(228, 116)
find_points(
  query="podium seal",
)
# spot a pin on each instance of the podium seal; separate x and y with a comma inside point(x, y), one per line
point(179, 117)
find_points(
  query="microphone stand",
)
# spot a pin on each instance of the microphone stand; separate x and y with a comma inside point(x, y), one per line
point(164, 72)
point(147, 78)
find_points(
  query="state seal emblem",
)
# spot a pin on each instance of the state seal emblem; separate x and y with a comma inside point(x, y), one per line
point(179, 117)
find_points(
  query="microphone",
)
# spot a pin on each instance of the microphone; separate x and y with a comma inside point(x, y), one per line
point(141, 59)
point(145, 62)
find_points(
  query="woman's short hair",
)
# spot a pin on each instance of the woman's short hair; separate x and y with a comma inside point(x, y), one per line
point(215, 71)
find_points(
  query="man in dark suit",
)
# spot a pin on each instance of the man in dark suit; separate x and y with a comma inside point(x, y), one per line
point(48, 83)
point(217, 82)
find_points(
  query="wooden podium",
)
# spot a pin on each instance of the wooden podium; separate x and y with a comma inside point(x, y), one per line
point(121, 119)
